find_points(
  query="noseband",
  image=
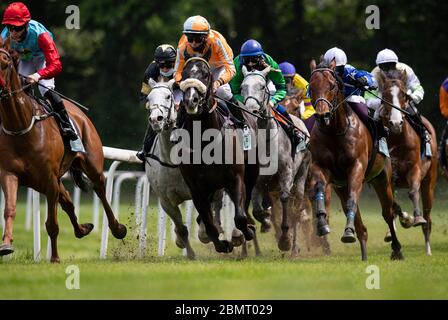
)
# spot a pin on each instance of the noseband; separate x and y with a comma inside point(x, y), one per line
point(332, 104)
point(203, 97)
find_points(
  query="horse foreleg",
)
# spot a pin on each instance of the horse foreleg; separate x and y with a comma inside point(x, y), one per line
point(427, 189)
point(383, 188)
point(317, 196)
point(238, 195)
point(67, 205)
point(200, 201)
point(10, 184)
point(413, 180)
point(52, 219)
point(181, 230)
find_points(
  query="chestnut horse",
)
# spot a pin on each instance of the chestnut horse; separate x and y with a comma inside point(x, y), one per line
point(411, 170)
point(33, 154)
point(341, 147)
point(237, 177)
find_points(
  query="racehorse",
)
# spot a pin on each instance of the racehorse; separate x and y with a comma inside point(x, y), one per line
point(342, 149)
point(165, 177)
point(33, 154)
point(411, 169)
point(236, 177)
point(288, 182)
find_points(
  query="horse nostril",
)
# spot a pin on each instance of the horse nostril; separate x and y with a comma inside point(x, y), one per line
point(159, 118)
point(401, 122)
point(195, 100)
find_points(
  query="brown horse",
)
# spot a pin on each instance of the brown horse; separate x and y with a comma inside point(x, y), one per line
point(411, 170)
point(342, 148)
point(33, 154)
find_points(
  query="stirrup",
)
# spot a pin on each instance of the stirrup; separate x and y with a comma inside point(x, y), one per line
point(69, 133)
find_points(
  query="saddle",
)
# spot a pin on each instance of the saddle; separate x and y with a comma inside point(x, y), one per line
point(421, 131)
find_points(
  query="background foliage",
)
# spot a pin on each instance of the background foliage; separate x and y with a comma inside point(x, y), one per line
point(104, 61)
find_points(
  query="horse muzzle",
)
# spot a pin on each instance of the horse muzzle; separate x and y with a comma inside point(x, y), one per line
point(396, 126)
point(323, 118)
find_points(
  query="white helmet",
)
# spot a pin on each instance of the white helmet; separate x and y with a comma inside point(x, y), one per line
point(385, 56)
point(338, 55)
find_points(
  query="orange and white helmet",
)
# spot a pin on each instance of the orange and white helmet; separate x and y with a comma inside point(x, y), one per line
point(196, 24)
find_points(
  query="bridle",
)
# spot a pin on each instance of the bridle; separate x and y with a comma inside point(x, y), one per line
point(202, 97)
point(151, 108)
point(332, 104)
point(6, 93)
point(262, 104)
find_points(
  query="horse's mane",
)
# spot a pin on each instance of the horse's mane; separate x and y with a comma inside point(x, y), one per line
point(323, 64)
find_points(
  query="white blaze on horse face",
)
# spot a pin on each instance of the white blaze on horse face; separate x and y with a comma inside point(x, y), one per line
point(254, 90)
point(158, 102)
point(189, 95)
point(396, 119)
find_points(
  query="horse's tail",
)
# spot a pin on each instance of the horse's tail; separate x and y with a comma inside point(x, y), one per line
point(79, 179)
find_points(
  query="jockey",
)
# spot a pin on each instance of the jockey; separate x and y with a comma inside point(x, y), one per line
point(355, 83)
point(443, 97)
point(387, 61)
point(198, 40)
point(253, 57)
point(297, 82)
point(161, 69)
point(39, 58)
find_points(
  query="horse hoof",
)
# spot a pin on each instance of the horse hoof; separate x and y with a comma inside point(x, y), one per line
point(284, 244)
point(180, 244)
point(85, 228)
point(223, 246)
point(238, 241)
point(266, 226)
point(406, 220)
point(55, 260)
point(250, 234)
point(120, 231)
point(6, 249)
point(419, 221)
point(348, 236)
point(323, 230)
point(203, 238)
point(396, 256)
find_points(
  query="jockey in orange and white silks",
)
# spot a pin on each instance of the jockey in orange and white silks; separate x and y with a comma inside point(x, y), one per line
point(39, 58)
point(198, 40)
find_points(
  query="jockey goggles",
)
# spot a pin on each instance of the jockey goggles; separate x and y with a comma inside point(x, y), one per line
point(198, 38)
point(166, 64)
point(16, 28)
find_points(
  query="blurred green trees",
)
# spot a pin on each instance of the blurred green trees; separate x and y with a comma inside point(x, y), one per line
point(104, 61)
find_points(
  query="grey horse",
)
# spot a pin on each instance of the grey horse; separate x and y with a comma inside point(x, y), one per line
point(288, 182)
point(165, 178)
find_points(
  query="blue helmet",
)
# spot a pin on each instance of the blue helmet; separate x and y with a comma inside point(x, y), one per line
point(287, 69)
point(251, 48)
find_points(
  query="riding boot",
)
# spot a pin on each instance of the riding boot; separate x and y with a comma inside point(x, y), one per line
point(291, 129)
point(416, 118)
point(238, 117)
point(148, 140)
point(58, 106)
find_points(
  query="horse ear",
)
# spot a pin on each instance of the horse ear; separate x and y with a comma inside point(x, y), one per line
point(244, 70)
point(404, 77)
point(313, 65)
point(151, 82)
point(171, 83)
point(333, 64)
point(266, 71)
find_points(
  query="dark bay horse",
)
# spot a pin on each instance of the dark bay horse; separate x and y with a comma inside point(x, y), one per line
point(410, 169)
point(341, 148)
point(32, 154)
point(236, 177)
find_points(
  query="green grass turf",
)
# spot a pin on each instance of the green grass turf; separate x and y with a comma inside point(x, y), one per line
point(213, 276)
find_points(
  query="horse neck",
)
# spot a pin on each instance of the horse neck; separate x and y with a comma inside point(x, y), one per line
point(165, 144)
point(339, 120)
point(16, 110)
